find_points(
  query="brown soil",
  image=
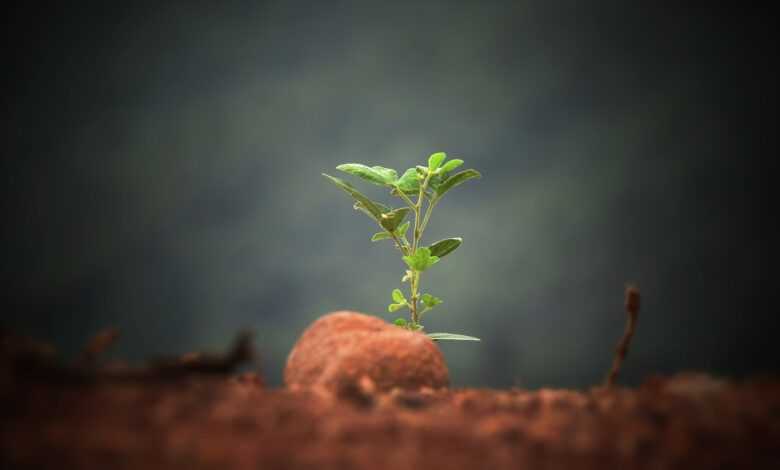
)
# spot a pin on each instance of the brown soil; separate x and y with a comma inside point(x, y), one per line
point(344, 349)
point(194, 412)
point(199, 421)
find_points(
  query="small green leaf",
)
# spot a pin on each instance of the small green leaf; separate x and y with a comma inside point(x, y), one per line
point(380, 236)
point(444, 247)
point(359, 207)
point(388, 217)
point(388, 174)
point(391, 220)
point(421, 259)
point(451, 165)
point(455, 180)
point(379, 177)
point(451, 337)
point(383, 208)
point(400, 322)
point(430, 301)
point(370, 207)
point(409, 182)
point(435, 160)
point(395, 307)
point(434, 182)
point(398, 296)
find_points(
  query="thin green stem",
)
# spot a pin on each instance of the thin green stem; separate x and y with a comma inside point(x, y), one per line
point(415, 297)
point(414, 282)
point(406, 199)
point(431, 205)
point(398, 243)
point(417, 208)
point(416, 236)
point(415, 230)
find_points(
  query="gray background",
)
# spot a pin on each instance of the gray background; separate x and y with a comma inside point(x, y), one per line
point(162, 175)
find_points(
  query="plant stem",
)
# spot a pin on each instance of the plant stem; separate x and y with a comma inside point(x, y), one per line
point(431, 205)
point(406, 199)
point(415, 284)
point(417, 207)
point(419, 226)
point(398, 243)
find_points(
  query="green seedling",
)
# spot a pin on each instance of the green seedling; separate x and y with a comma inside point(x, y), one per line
point(414, 187)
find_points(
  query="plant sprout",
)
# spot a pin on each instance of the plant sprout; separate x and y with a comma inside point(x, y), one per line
point(414, 187)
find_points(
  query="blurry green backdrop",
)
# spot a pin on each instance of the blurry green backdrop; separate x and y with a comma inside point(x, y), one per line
point(162, 175)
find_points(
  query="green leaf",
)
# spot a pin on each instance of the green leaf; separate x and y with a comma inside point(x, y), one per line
point(380, 236)
point(388, 174)
point(398, 296)
point(421, 259)
point(383, 208)
point(451, 165)
point(380, 177)
point(451, 337)
point(434, 182)
point(444, 247)
point(395, 307)
point(440, 176)
point(409, 182)
point(391, 220)
point(430, 301)
point(435, 160)
point(400, 322)
point(367, 205)
point(456, 179)
point(359, 207)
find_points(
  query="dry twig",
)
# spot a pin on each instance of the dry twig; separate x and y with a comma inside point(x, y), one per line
point(23, 357)
point(632, 309)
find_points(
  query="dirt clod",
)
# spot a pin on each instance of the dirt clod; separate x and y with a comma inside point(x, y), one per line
point(344, 347)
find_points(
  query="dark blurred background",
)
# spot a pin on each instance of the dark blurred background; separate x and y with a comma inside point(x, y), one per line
point(162, 163)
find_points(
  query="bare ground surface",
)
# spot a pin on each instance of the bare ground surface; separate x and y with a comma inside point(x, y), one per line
point(198, 421)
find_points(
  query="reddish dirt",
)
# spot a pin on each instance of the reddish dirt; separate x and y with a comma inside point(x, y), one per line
point(200, 422)
point(345, 349)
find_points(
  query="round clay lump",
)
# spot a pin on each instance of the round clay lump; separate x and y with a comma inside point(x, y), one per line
point(347, 347)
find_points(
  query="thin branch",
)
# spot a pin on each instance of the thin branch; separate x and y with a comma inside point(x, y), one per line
point(406, 199)
point(29, 359)
point(632, 310)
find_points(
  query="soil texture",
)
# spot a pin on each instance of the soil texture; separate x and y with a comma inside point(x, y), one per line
point(215, 422)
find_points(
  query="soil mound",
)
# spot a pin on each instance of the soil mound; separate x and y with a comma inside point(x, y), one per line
point(345, 348)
